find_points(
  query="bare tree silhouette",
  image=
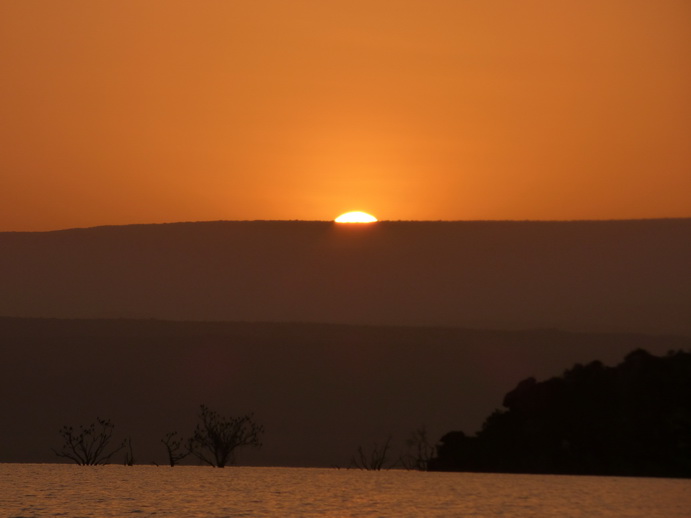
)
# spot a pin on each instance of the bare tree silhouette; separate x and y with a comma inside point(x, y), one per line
point(372, 460)
point(420, 451)
point(216, 438)
point(176, 448)
point(129, 452)
point(89, 445)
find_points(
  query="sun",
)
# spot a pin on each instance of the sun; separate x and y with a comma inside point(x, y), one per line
point(355, 217)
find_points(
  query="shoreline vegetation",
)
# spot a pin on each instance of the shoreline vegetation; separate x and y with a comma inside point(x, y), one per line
point(345, 395)
point(633, 419)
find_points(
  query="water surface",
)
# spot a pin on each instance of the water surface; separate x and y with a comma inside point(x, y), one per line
point(37, 490)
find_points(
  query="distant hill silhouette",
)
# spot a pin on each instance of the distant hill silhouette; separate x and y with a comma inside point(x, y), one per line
point(632, 419)
point(319, 390)
point(623, 276)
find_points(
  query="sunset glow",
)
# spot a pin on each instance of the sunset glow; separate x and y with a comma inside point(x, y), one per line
point(355, 217)
point(276, 110)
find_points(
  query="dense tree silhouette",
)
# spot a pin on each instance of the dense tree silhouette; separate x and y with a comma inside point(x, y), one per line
point(88, 445)
point(632, 419)
point(216, 438)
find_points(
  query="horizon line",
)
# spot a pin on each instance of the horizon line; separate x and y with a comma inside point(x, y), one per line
point(374, 223)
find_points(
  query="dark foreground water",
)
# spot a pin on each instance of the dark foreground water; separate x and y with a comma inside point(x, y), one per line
point(31, 490)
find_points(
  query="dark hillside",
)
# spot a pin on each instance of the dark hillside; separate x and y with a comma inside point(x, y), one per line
point(623, 276)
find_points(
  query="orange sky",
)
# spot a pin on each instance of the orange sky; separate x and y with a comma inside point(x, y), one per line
point(130, 111)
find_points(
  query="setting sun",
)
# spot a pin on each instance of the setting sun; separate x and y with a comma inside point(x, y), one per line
point(355, 217)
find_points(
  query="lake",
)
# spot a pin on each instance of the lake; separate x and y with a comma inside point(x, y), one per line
point(37, 490)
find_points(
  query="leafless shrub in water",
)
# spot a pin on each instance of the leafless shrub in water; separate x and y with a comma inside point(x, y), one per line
point(419, 452)
point(88, 445)
point(373, 459)
point(216, 438)
point(177, 448)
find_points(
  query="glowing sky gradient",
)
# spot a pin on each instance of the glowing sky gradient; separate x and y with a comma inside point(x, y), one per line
point(123, 111)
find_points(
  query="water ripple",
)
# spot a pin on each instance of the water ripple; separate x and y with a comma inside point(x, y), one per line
point(38, 490)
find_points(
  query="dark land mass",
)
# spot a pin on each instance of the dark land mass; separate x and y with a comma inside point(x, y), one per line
point(400, 299)
point(594, 276)
point(320, 390)
point(630, 420)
